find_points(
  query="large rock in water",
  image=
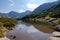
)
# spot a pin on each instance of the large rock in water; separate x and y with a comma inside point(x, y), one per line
point(57, 28)
point(26, 33)
point(55, 36)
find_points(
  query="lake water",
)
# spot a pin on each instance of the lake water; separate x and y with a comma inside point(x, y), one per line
point(24, 31)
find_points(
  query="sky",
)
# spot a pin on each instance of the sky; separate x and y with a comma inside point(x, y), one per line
point(21, 5)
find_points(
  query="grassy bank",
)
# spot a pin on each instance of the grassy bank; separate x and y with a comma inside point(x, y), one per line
point(6, 24)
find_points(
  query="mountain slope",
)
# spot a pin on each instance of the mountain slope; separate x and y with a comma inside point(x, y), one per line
point(14, 14)
point(44, 7)
point(3, 15)
point(52, 11)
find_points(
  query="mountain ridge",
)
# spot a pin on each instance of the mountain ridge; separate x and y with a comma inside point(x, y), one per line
point(14, 14)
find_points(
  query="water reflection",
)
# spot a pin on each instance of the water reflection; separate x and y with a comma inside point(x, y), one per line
point(23, 31)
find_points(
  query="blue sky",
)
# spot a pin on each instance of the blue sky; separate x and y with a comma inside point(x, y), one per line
point(21, 5)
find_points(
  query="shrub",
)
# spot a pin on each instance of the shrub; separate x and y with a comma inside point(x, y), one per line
point(7, 24)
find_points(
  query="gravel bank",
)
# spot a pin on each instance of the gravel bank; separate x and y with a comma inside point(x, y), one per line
point(4, 38)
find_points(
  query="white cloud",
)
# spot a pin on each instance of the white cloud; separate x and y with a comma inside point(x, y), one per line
point(32, 6)
point(11, 3)
point(4, 11)
point(11, 0)
point(21, 10)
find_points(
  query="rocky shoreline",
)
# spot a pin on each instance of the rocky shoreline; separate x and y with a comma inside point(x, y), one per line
point(5, 38)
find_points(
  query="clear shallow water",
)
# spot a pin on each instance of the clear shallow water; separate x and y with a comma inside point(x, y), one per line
point(24, 31)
